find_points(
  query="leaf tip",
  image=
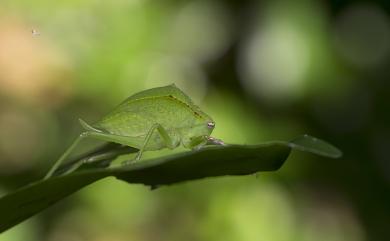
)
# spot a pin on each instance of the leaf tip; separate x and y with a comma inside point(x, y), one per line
point(314, 145)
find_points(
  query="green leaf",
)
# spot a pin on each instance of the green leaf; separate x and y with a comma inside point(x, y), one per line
point(210, 161)
point(316, 146)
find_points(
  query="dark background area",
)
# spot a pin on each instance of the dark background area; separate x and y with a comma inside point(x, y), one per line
point(264, 70)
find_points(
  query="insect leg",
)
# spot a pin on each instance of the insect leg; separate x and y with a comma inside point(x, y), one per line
point(215, 141)
point(124, 140)
point(164, 135)
point(74, 167)
point(65, 155)
point(146, 141)
point(108, 156)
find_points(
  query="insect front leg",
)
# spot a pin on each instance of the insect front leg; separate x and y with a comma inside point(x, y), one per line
point(198, 142)
point(215, 141)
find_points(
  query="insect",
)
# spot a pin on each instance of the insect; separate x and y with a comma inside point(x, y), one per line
point(153, 119)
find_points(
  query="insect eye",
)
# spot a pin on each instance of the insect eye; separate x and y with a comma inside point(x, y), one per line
point(210, 124)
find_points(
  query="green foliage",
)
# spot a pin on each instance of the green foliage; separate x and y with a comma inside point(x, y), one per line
point(209, 161)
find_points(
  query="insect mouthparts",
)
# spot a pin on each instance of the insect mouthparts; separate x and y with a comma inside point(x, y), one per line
point(210, 124)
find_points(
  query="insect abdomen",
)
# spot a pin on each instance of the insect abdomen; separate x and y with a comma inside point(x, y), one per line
point(136, 117)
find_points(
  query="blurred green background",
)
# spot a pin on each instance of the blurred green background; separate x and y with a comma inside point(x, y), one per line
point(264, 70)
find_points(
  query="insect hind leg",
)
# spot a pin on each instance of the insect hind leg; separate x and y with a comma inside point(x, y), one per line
point(65, 155)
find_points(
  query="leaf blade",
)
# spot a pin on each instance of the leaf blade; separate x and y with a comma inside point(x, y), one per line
point(208, 162)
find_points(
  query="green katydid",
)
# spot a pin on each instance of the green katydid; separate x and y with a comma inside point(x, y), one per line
point(158, 118)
